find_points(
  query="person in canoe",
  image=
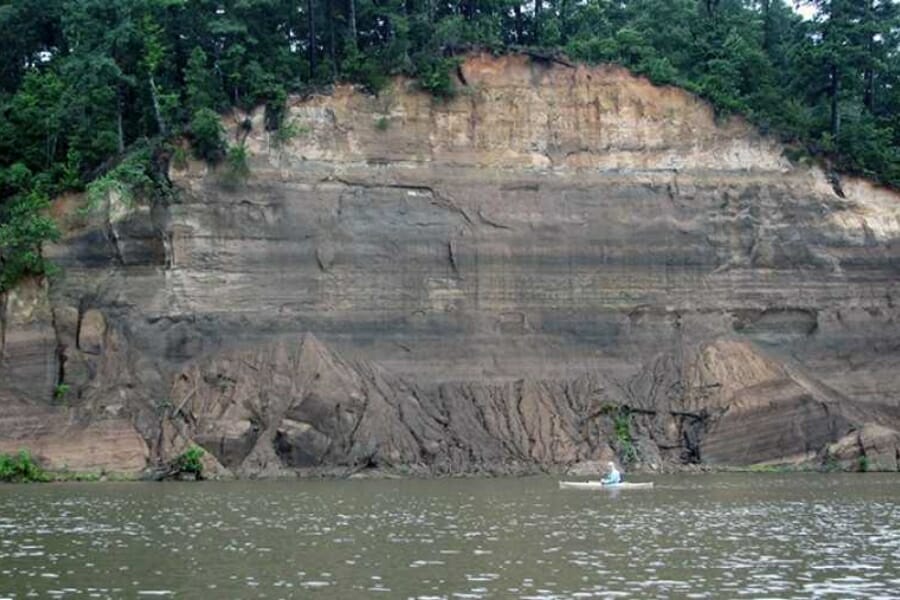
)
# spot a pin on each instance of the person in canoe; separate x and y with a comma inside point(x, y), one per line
point(613, 477)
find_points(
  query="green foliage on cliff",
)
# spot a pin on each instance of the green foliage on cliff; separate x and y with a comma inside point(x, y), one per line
point(21, 468)
point(83, 81)
point(189, 462)
point(25, 227)
point(208, 135)
point(625, 442)
point(237, 168)
point(132, 177)
point(61, 392)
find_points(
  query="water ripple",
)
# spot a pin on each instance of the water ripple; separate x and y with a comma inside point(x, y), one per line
point(742, 536)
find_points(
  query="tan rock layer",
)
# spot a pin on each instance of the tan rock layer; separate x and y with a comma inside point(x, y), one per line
point(61, 441)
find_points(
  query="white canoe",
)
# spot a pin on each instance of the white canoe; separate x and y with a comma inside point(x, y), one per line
point(597, 485)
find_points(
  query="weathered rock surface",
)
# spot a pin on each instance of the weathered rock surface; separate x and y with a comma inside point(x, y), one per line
point(872, 447)
point(558, 265)
point(62, 440)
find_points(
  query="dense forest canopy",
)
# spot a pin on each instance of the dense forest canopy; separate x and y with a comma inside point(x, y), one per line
point(92, 91)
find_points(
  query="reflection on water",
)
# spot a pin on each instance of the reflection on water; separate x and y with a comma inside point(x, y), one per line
point(711, 536)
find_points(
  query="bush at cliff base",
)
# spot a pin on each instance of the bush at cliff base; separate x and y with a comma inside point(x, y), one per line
point(189, 462)
point(20, 468)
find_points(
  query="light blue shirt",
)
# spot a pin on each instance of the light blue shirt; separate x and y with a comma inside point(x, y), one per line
point(613, 477)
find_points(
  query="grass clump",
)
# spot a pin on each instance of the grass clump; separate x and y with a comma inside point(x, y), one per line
point(21, 468)
point(768, 468)
point(79, 476)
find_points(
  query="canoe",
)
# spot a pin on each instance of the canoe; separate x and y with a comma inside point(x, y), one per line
point(596, 485)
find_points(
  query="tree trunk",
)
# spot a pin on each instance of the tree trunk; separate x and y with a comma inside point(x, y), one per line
point(831, 37)
point(121, 133)
point(564, 20)
point(3, 302)
point(835, 106)
point(50, 150)
point(869, 94)
point(119, 128)
point(869, 85)
point(517, 11)
point(468, 9)
point(538, 6)
point(869, 72)
point(351, 18)
point(767, 26)
point(332, 55)
point(157, 111)
point(311, 38)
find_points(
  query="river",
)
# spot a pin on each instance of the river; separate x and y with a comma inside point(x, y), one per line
point(692, 536)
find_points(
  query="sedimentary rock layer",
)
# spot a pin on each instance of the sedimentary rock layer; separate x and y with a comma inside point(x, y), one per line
point(518, 277)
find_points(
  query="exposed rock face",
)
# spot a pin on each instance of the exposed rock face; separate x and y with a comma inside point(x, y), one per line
point(62, 441)
point(480, 286)
point(872, 447)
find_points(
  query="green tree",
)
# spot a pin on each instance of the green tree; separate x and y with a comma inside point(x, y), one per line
point(24, 230)
point(208, 135)
point(201, 88)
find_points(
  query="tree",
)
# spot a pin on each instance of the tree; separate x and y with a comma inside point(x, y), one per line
point(200, 86)
point(24, 230)
point(151, 35)
point(208, 134)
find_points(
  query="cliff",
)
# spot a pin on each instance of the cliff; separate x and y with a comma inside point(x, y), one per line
point(558, 265)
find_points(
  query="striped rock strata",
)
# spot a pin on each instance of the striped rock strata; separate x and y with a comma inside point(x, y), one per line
point(556, 260)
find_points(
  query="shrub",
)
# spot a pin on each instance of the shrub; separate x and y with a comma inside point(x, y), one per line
point(21, 468)
point(382, 123)
point(863, 464)
point(622, 424)
point(434, 76)
point(276, 110)
point(179, 158)
point(831, 464)
point(364, 69)
point(61, 391)
point(237, 170)
point(659, 70)
point(288, 130)
point(190, 462)
point(208, 135)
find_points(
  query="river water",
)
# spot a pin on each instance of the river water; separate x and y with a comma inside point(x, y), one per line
point(700, 536)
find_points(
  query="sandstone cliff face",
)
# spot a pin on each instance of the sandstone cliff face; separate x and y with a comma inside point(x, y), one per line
point(480, 284)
